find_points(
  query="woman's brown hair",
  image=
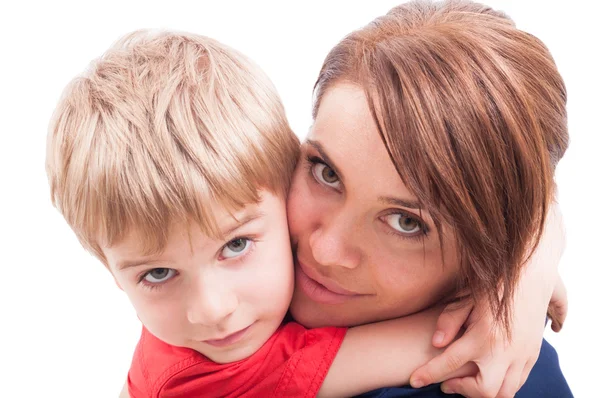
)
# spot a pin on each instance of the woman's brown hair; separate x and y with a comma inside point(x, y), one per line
point(472, 112)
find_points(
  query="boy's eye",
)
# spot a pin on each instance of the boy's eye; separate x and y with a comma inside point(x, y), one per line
point(404, 223)
point(235, 247)
point(159, 275)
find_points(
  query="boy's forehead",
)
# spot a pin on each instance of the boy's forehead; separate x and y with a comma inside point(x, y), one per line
point(133, 248)
point(227, 218)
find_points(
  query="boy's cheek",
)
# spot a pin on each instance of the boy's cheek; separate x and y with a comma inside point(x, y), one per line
point(119, 279)
point(117, 282)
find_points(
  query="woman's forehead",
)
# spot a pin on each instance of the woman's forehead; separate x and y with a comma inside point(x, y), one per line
point(346, 136)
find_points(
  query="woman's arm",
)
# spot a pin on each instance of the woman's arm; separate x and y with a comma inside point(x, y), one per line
point(383, 354)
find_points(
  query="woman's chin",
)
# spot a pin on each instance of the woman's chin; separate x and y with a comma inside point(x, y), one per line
point(311, 314)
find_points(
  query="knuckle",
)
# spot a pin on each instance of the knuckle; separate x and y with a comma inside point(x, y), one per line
point(426, 377)
point(453, 362)
point(425, 374)
point(489, 388)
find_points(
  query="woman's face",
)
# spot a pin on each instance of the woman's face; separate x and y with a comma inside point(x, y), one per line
point(365, 251)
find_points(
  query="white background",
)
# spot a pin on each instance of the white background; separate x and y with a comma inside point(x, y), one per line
point(65, 329)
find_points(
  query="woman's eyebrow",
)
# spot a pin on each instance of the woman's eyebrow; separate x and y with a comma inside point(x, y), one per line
point(390, 200)
point(319, 148)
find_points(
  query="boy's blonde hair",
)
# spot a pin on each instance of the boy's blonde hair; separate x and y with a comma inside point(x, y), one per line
point(159, 128)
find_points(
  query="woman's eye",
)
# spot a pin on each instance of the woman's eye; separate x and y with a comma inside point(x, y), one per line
point(236, 247)
point(325, 175)
point(404, 224)
point(159, 275)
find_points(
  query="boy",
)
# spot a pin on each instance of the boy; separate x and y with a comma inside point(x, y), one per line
point(171, 159)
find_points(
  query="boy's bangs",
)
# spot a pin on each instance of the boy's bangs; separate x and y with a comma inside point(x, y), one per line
point(154, 183)
point(124, 205)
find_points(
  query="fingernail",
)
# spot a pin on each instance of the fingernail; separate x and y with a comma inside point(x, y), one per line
point(417, 383)
point(447, 390)
point(438, 337)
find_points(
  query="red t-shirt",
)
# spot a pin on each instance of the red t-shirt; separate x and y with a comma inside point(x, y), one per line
point(292, 363)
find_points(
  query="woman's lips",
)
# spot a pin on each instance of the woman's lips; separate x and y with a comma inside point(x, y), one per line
point(229, 339)
point(321, 290)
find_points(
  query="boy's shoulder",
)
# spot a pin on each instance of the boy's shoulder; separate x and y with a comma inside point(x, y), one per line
point(294, 360)
point(155, 362)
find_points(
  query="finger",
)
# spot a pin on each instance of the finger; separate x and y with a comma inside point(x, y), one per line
point(469, 387)
point(486, 383)
point(452, 386)
point(559, 306)
point(525, 372)
point(450, 322)
point(440, 367)
point(512, 382)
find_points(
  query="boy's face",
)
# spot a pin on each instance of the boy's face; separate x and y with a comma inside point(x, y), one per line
point(222, 298)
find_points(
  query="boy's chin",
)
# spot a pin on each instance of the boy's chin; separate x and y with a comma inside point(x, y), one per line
point(229, 355)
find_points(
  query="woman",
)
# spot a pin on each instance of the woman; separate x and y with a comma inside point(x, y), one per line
point(428, 176)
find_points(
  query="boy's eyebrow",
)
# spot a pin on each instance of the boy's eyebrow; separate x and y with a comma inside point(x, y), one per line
point(246, 218)
point(128, 264)
point(319, 148)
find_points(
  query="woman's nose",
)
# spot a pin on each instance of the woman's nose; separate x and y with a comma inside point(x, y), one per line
point(211, 304)
point(333, 244)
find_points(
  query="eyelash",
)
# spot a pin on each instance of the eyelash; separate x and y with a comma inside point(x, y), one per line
point(314, 160)
point(251, 240)
point(418, 237)
point(154, 286)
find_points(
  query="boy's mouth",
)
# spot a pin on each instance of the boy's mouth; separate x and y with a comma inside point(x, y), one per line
point(229, 339)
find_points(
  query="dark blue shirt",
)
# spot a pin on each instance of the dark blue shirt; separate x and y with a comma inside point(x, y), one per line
point(545, 380)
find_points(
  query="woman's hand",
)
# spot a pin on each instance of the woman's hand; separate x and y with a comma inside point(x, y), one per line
point(503, 365)
point(559, 305)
